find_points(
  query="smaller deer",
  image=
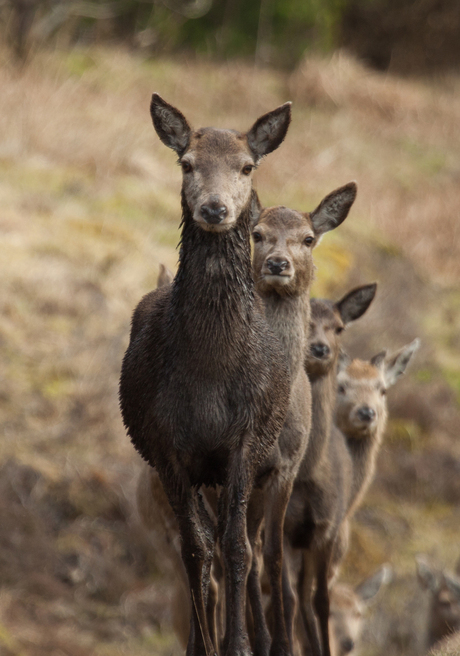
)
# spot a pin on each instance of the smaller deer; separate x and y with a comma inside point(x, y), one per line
point(348, 611)
point(444, 610)
point(315, 509)
point(283, 271)
point(325, 498)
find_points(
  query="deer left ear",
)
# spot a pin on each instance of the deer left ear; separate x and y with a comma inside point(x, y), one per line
point(268, 131)
point(333, 209)
point(396, 365)
point(369, 588)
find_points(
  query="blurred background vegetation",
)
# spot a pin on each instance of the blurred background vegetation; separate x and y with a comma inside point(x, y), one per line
point(90, 207)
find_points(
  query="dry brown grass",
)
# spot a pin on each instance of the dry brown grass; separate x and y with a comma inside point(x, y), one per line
point(90, 206)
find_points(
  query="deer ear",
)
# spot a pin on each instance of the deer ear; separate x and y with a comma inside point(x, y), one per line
point(268, 131)
point(427, 575)
point(396, 365)
point(379, 359)
point(355, 303)
point(369, 588)
point(165, 276)
point(255, 209)
point(170, 125)
point(343, 361)
point(333, 209)
point(453, 583)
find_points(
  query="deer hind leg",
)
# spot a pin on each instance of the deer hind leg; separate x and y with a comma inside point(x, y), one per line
point(236, 550)
point(305, 595)
point(277, 495)
point(197, 551)
point(290, 608)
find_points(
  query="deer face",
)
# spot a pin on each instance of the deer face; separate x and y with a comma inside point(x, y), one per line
point(326, 326)
point(346, 619)
point(361, 403)
point(217, 177)
point(217, 165)
point(283, 242)
point(327, 323)
point(361, 387)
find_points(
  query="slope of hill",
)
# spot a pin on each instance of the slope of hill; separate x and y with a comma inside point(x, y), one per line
point(90, 207)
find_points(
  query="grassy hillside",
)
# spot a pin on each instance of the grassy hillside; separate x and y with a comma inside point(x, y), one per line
point(90, 207)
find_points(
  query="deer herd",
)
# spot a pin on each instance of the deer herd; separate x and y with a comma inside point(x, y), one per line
point(260, 435)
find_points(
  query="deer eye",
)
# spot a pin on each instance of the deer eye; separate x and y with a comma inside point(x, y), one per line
point(246, 170)
point(257, 237)
point(308, 241)
point(339, 330)
point(186, 166)
point(383, 391)
point(341, 389)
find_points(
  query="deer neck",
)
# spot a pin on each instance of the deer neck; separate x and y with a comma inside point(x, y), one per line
point(363, 450)
point(289, 317)
point(323, 392)
point(212, 299)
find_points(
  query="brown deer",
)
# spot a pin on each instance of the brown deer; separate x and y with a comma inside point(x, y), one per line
point(325, 497)
point(348, 608)
point(283, 270)
point(444, 609)
point(204, 386)
point(327, 322)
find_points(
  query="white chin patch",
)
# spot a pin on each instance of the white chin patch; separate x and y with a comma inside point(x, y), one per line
point(224, 225)
point(279, 281)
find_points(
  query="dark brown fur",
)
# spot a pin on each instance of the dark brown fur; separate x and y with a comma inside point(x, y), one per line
point(204, 386)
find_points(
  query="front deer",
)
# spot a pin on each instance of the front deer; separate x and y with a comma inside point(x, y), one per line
point(204, 386)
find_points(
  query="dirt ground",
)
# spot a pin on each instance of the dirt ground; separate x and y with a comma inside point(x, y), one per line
point(90, 207)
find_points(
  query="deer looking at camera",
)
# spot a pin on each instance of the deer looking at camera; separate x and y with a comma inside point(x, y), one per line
point(444, 606)
point(348, 609)
point(283, 271)
point(204, 387)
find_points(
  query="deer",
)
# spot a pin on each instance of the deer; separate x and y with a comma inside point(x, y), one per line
point(327, 322)
point(284, 240)
point(444, 606)
point(204, 386)
point(348, 607)
point(326, 494)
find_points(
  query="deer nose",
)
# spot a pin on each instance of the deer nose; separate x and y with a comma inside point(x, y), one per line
point(277, 266)
point(365, 413)
point(347, 645)
point(213, 211)
point(320, 350)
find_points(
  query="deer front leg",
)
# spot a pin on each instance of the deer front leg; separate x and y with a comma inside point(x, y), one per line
point(277, 496)
point(197, 551)
point(261, 639)
point(290, 607)
point(236, 551)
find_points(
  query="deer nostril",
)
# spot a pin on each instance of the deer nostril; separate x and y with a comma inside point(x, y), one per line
point(365, 413)
point(347, 645)
point(213, 212)
point(319, 350)
point(277, 266)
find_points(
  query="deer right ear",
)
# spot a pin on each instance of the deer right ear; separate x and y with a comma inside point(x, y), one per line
point(165, 276)
point(268, 131)
point(255, 209)
point(379, 359)
point(355, 303)
point(333, 209)
point(170, 125)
